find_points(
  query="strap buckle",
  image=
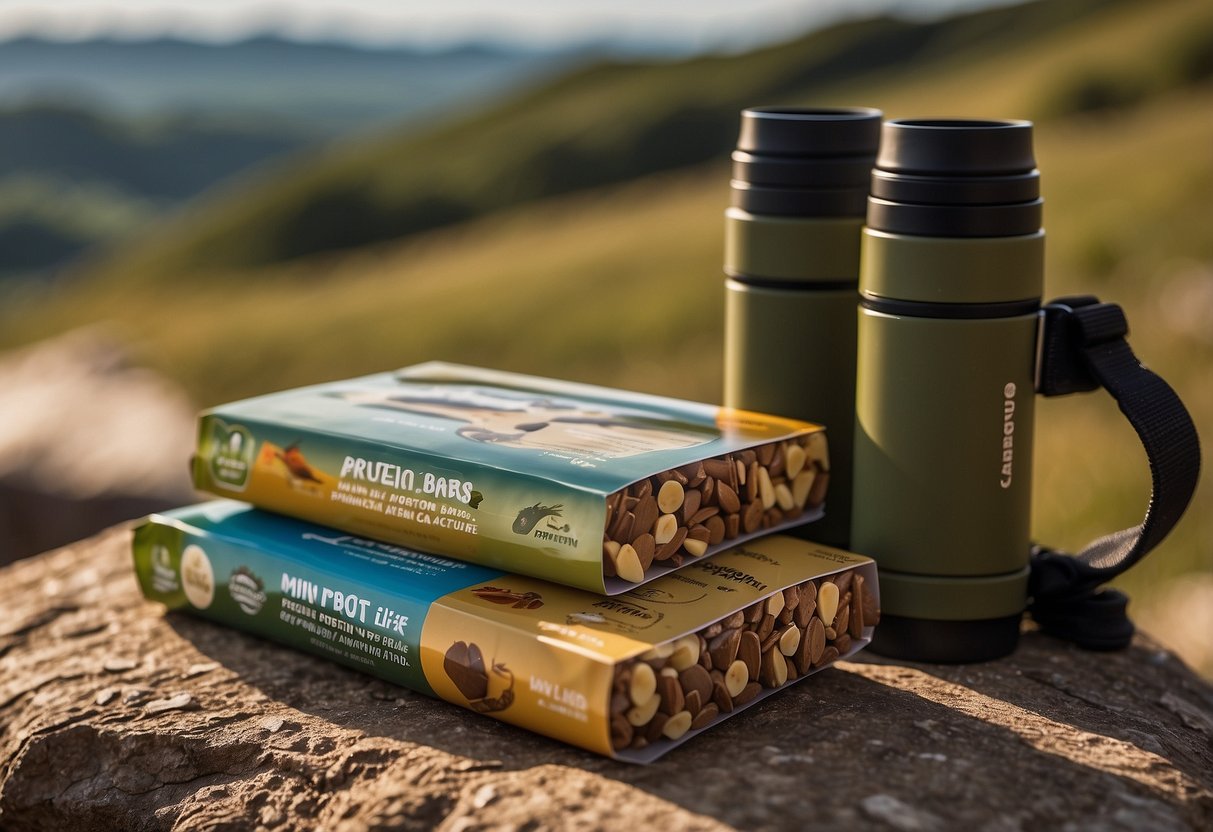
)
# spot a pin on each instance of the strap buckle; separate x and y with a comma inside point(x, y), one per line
point(1080, 346)
point(1068, 326)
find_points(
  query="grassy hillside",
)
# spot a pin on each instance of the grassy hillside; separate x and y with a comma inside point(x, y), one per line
point(169, 159)
point(71, 178)
point(100, 138)
point(606, 124)
point(621, 285)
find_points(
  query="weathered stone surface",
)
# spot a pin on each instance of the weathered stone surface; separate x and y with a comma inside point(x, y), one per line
point(116, 716)
point(86, 439)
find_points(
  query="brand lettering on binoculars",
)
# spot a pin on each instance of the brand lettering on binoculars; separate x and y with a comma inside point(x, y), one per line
point(1008, 433)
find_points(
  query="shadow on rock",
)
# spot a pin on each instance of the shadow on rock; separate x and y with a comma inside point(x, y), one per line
point(867, 744)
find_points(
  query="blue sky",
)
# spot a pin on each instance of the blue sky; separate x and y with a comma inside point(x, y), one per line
point(687, 24)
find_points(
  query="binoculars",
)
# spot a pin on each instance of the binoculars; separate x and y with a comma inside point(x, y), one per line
point(895, 271)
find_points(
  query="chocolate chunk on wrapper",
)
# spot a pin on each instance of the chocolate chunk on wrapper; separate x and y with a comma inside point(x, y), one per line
point(465, 665)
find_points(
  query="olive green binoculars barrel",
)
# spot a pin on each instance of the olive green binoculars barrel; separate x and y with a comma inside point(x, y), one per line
point(950, 286)
point(799, 194)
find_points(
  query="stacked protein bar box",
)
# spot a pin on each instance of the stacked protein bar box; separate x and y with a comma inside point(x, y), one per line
point(599, 566)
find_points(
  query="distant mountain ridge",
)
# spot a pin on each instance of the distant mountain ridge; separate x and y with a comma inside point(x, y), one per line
point(616, 120)
point(71, 178)
point(99, 137)
point(174, 160)
point(326, 87)
point(258, 43)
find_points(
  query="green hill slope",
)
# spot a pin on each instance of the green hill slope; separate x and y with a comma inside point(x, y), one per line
point(71, 178)
point(652, 248)
point(170, 160)
point(606, 124)
point(99, 138)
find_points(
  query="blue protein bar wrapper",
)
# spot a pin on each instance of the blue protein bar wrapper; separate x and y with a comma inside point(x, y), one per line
point(630, 676)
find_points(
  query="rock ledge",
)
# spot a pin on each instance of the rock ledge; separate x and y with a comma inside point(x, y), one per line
point(116, 716)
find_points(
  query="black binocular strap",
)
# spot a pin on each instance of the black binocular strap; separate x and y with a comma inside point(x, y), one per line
point(1083, 347)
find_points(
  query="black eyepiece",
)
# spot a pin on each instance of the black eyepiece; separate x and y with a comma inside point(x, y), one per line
point(807, 132)
point(955, 178)
point(939, 147)
point(807, 162)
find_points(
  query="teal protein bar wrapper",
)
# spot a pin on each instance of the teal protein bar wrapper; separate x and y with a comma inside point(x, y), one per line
point(585, 486)
point(630, 676)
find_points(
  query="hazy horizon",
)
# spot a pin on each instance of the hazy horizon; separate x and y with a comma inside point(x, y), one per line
point(672, 25)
